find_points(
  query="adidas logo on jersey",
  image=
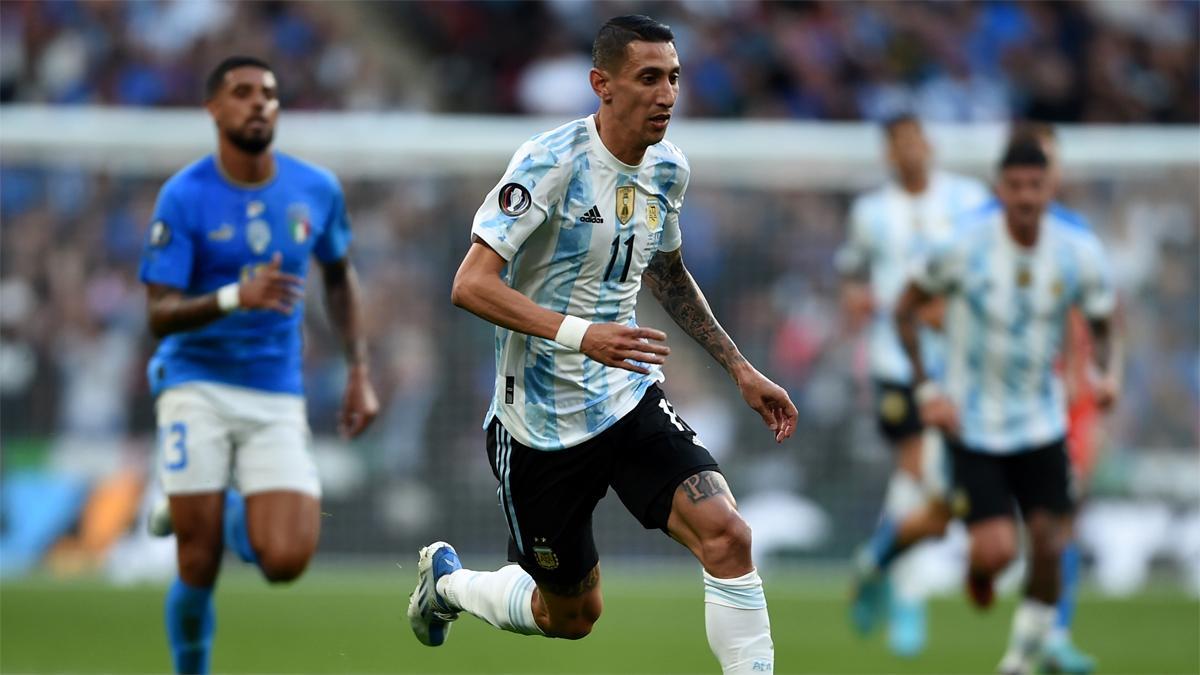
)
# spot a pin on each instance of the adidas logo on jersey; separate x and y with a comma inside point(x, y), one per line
point(592, 216)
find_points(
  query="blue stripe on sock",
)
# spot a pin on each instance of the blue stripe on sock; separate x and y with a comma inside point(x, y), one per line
point(191, 622)
point(1070, 586)
point(740, 597)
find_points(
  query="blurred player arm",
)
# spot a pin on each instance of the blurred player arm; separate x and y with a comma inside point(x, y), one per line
point(913, 301)
point(676, 290)
point(936, 409)
point(852, 262)
point(1108, 356)
point(343, 298)
point(479, 289)
point(1099, 304)
point(170, 310)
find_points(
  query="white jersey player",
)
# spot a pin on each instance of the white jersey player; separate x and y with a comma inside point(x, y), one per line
point(1010, 278)
point(889, 227)
point(583, 215)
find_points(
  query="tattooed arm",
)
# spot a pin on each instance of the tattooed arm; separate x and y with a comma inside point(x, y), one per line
point(676, 290)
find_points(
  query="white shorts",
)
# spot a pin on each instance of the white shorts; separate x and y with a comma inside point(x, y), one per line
point(209, 432)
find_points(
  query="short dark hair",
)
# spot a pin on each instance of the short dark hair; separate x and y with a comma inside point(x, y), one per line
point(608, 51)
point(1026, 151)
point(217, 77)
point(1033, 129)
point(892, 122)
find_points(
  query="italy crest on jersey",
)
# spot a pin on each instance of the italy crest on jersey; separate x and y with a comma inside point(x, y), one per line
point(299, 223)
point(625, 195)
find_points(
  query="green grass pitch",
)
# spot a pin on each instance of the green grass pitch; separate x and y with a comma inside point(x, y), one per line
point(351, 620)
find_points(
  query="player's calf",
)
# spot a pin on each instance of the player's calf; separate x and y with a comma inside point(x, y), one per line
point(283, 530)
point(569, 611)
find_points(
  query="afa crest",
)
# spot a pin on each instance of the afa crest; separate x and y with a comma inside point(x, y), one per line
point(545, 557)
point(625, 196)
point(653, 218)
point(893, 407)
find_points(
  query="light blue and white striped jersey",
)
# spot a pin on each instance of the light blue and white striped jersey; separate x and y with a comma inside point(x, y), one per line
point(889, 228)
point(577, 227)
point(1005, 321)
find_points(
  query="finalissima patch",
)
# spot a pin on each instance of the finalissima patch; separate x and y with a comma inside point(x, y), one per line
point(160, 234)
point(514, 199)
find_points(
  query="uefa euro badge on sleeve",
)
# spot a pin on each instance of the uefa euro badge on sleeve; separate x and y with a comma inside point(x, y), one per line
point(653, 222)
point(625, 203)
point(258, 235)
point(160, 234)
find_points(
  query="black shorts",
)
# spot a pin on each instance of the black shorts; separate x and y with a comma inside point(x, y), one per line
point(548, 495)
point(897, 412)
point(987, 485)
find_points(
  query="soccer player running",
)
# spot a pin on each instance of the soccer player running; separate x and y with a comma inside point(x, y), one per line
point(1083, 417)
point(583, 215)
point(1010, 279)
point(225, 264)
point(888, 227)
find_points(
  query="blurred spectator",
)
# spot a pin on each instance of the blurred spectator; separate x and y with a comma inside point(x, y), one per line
point(1097, 61)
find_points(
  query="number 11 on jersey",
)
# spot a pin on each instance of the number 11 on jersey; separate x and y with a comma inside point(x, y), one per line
point(616, 249)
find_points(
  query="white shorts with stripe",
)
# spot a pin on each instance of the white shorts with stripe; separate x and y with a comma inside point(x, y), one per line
point(211, 436)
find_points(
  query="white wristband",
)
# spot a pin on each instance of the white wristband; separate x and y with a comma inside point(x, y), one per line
point(570, 332)
point(926, 392)
point(229, 297)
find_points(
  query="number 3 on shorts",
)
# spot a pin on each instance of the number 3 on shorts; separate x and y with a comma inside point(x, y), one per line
point(175, 450)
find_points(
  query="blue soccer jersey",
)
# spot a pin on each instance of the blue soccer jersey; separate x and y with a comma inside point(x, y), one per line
point(209, 230)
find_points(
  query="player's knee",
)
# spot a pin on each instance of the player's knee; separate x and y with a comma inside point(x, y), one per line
point(992, 557)
point(725, 551)
point(939, 520)
point(1046, 548)
point(281, 565)
point(199, 563)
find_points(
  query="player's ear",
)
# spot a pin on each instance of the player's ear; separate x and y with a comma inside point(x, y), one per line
point(599, 80)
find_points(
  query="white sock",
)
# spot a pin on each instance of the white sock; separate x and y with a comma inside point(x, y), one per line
point(503, 598)
point(739, 630)
point(1031, 626)
point(904, 495)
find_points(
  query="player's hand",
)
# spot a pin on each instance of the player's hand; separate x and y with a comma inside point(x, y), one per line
point(940, 412)
point(770, 401)
point(271, 288)
point(619, 346)
point(1106, 391)
point(359, 404)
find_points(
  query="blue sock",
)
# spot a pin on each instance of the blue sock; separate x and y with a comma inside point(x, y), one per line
point(1070, 587)
point(881, 547)
point(191, 622)
point(237, 536)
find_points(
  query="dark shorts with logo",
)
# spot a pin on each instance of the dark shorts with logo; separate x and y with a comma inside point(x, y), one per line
point(988, 485)
point(548, 495)
point(897, 411)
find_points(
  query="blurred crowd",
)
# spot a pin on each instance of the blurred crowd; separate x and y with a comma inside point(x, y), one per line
point(1087, 61)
